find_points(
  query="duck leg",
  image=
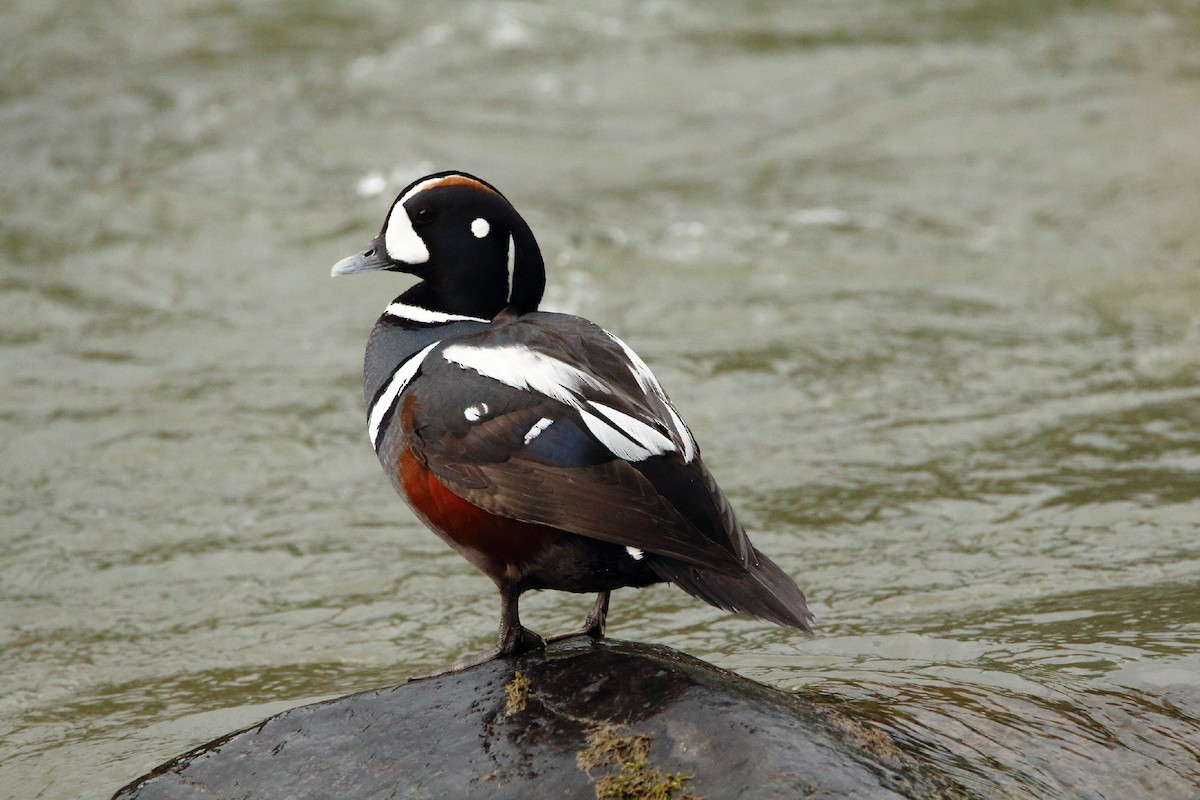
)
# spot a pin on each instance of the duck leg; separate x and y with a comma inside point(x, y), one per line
point(593, 625)
point(514, 638)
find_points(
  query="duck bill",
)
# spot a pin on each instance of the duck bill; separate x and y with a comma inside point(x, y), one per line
point(368, 260)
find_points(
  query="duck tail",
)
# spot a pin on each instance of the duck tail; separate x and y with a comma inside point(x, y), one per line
point(760, 589)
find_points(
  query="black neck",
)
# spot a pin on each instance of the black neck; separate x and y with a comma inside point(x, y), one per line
point(485, 295)
point(456, 300)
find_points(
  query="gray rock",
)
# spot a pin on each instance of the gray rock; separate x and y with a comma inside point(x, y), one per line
point(579, 720)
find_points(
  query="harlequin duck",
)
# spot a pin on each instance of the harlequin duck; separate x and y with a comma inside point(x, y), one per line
point(538, 445)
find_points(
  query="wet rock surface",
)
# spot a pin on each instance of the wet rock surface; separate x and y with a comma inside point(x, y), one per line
point(579, 720)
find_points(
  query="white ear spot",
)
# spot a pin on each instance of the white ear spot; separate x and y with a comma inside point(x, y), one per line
point(480, 227)
point(475, 413)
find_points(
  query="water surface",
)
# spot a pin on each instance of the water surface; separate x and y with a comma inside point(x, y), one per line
point(922, 277)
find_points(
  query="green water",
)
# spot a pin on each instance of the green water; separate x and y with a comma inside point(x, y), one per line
point(923, 278)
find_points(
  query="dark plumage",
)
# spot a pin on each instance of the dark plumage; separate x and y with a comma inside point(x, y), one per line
point(538, 445)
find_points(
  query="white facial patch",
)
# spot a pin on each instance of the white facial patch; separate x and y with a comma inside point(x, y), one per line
point(400, 240)
point(475, 413)
point(480, 227)
point(391, 393)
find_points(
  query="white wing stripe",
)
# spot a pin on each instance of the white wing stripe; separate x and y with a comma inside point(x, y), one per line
point(522, 368)
point(649, 383)
point(525, 369)
point(689, 443)
point(640, 370)
point(537, 428)
point(388, 398)
point(620, 446)
point(635, 429)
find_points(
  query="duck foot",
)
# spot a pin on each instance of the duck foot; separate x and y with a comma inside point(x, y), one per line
point(593, 625)
point(515, 638)
point(513, 643)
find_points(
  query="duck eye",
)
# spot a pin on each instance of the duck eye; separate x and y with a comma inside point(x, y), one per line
point(423, 215)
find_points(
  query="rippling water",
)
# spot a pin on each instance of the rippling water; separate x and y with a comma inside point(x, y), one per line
point(923, 278)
